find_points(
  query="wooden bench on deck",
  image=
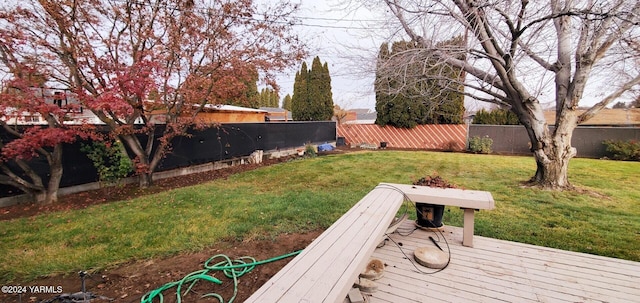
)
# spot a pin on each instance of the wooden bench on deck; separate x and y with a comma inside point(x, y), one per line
point(326, 270)
point(468, 200)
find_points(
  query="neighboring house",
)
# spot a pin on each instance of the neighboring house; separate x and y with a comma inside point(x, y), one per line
point(77, 114)
point(360, 116)
point(276, 114)
point(64, 99)
point(231, 114)
point(629, 117)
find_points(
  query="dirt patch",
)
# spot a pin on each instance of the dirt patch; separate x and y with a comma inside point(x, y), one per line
point(129, 282)
point(434, 181)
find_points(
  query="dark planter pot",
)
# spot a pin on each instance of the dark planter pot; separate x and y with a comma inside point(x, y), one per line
point(429, 215)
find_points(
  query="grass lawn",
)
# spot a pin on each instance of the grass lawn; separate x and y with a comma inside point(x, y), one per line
point(308, 194)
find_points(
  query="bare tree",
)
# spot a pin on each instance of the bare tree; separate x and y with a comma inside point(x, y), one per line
point(517, 49)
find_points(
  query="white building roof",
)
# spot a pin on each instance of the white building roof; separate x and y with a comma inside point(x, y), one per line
point(225, 107)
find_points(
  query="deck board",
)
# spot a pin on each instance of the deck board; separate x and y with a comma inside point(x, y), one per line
point(502, 271)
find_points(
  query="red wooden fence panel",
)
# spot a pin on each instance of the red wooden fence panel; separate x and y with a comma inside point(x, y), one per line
point(432, 136)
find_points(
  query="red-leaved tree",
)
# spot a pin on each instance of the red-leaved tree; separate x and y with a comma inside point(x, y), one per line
point(140, 63)
point(37, 128)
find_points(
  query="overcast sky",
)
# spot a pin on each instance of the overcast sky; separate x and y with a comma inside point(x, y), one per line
point(349, 39)
point(342, 39)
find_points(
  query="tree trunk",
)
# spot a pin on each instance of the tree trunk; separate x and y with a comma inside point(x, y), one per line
point(143, 169)
point(51, 193)
point(552, 151)
point(40, 193)
point(55, 171)
point(44, 195)
point(146, 180)
point(551, 173)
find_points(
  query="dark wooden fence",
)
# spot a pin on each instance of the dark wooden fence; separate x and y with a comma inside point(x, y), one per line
point(588, 140)
point(228, 141)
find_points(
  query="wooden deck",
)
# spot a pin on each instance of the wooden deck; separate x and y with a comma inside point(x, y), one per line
point(327, 268)
point(501, 271)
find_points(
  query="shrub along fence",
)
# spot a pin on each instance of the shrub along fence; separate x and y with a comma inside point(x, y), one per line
point(225, 142)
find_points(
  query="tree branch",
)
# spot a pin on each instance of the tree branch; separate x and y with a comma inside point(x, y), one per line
point(591, 112)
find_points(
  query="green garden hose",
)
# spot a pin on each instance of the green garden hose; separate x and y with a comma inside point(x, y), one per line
point(232, 269)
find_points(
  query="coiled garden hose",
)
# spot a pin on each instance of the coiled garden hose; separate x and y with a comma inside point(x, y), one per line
point(232, 269)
